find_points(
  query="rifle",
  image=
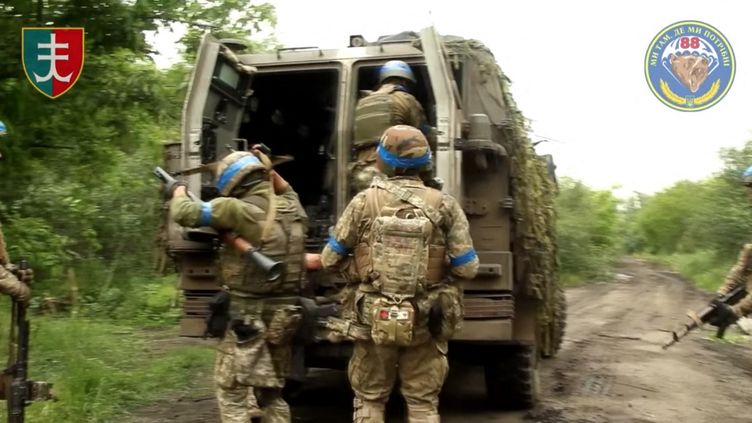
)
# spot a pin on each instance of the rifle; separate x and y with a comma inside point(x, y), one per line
point(273, 269)
point(704, 315)
point(21, 389)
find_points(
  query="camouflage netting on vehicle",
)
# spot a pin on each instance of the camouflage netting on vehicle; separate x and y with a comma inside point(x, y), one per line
point(533, 188)
point(533, 184)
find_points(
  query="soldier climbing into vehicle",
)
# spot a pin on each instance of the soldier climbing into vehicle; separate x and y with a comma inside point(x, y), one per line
point(390, 104)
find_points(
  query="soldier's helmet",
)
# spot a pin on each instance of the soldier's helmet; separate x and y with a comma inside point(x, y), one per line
point(404, 147)
point(241, 169)
point(3, 131)
point(747, 177)
point(396, 69)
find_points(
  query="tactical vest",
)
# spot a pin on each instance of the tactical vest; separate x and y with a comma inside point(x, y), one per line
point(398, 255)
point(373, 115)
point(283, 239)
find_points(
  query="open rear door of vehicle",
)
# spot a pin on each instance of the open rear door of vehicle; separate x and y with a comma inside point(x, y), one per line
point(213, 108)
point(212, 113)
point(448, 113)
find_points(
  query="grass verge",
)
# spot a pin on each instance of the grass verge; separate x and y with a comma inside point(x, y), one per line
point(706, 269)
point(102, 369)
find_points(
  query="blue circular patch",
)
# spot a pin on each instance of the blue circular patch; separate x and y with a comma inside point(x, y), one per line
point(690, 66)
point(3, 129)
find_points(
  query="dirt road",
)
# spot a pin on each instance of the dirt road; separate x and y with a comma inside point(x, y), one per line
point(611, 368)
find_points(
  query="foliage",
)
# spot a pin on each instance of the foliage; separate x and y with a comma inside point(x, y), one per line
point(76, 192)
point(588, 229)
point(77, 197)
point(698, 227)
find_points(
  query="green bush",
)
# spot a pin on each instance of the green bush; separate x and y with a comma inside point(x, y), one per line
point(588, 229)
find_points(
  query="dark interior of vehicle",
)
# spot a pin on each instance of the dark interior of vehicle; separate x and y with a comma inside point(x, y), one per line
point(294, 113)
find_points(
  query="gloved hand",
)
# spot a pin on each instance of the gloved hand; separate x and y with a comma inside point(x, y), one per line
point(169, 188)
point(724, 316)
point(24, 275)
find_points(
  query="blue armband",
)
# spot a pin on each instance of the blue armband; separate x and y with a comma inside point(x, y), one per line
point(206, 214)
point(337, 247)
point(463, 258)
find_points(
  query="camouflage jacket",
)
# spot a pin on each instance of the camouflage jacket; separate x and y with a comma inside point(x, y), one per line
point(229, 213)
point(246, 218)
point(9, 284)
point(406, 110)
point(740, 274)
point(454, 232)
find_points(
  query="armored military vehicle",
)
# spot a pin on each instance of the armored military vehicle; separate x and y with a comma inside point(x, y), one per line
point(301, 101)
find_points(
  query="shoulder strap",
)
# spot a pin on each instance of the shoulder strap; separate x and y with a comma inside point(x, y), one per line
point(405, 195)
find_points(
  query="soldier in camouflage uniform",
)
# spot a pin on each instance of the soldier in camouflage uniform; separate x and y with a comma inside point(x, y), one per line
point(740, 274)
point(401, 326)
point(391, 104)
point(13, 281)
point(10, 274)
point(253, 359)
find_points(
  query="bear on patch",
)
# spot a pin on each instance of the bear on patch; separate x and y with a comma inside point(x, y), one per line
point(691, 70)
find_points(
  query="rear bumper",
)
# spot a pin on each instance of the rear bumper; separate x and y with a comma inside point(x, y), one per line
point(485, 330)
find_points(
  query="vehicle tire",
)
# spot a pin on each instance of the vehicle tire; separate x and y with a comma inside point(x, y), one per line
point(512, 379)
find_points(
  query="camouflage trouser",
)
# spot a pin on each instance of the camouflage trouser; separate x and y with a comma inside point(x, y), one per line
point(363, 169)
point(249, 378)
point(374, 369)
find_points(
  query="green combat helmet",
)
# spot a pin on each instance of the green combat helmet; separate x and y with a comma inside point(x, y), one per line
point(233, 171)
point(401, 148)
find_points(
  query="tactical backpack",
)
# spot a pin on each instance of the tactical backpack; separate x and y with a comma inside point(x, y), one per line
point(395, 257)
point(373, 115)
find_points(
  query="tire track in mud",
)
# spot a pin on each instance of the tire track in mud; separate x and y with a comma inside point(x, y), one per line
point(612, 367)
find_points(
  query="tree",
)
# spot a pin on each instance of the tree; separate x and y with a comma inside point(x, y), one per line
point(76, 190)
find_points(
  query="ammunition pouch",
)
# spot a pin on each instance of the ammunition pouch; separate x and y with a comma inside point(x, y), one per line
point(346, 329)
point(283, 325)
point(219, 315)
point(445, 311)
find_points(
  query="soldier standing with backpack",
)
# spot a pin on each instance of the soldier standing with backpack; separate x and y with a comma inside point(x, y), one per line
point(391, 104)
point(407, 240)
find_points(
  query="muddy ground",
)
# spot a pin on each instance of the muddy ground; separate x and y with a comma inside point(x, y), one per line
point(611, 368)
